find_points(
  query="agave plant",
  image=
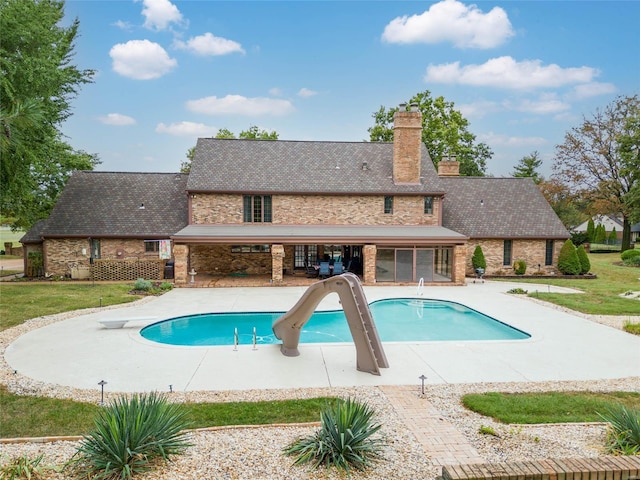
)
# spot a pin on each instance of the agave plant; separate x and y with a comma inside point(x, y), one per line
point(624, 430)
point(345, 439)
point(130, 435)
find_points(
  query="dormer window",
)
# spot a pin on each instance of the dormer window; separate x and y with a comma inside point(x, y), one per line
point(257, 209)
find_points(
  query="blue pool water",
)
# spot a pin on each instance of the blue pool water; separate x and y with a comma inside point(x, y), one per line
point(397, 320)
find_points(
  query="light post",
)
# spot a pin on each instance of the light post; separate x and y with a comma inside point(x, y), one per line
point(422, 379)
point(102, 383)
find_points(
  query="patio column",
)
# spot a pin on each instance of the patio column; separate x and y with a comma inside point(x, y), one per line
point(369, 253)
point(459, 264)
point(181, 258)
point(277, 256)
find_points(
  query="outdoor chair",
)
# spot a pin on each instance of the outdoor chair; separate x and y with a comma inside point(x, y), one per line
point(337, 268)
point(324, 271)
point(309, 270)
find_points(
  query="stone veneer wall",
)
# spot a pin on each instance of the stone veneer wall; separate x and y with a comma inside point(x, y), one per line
point(318, 209)
point(407, 146)
point(531, 251)
point(219, 260)
point(62, 253)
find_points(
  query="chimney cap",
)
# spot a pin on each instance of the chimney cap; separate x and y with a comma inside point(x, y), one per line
point(403, 106)
point(414, 107)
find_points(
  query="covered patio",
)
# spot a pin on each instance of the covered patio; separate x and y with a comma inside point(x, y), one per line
point(391, 254)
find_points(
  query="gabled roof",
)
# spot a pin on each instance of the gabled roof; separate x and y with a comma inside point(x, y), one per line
point(282, 166)
point(108, 204)
point(487, 207)
point(34, 233)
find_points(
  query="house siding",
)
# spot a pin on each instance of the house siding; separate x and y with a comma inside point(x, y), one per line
point(532, 251)
point(318, 209)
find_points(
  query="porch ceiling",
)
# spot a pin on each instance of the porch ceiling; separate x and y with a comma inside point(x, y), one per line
point(310, 234)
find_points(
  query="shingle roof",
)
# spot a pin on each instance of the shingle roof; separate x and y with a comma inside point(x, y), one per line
point(107, 204)
point(487, 207)
point(234, 165)
point(34, 233)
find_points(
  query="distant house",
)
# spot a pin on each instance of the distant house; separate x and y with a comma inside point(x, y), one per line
point(609, 221)
point(635, 233)
point(255, 207)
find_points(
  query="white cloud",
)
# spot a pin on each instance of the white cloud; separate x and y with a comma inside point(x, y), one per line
point(592, 89)
point(141, 60)
point(505, 72)
point(160, 14)
point(477, 109)
point(122, 25)
point(117, 119)
point(239, 105)
point(466, 26)
point(187, 129)
point(208, 44)
point(275, 91)
point(305, 92)
point(543, 106)
point(510, 141)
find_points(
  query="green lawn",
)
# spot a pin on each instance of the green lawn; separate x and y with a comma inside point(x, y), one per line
point(25, 300)
point(601, 295)
point(6, 235)
point(25, 416)
point(548, 407)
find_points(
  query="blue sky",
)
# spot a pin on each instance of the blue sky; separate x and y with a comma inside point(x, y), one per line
point(522, 73)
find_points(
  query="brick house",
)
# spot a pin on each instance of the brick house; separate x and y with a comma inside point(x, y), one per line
point(251, 207)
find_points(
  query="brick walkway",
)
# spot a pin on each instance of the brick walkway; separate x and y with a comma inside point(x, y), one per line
point(440, 440)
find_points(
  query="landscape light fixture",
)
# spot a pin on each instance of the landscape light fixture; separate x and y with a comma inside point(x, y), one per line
point(422, 379)
point(102, 383)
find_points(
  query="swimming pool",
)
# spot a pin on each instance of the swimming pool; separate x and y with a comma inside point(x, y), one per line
point(397, 320)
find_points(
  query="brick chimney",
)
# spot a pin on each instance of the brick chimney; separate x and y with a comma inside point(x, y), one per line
point(407, 144)
point(449, 167)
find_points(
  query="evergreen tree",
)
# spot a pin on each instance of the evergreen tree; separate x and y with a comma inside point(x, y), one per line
point(478, 260)
point(613, 237)
point(568, 261)
point(585, 264)
point(591, 231)
point(601, 234)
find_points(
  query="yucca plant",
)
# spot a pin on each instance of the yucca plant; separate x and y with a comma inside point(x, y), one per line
point(130, 435)
point(345, 439)
point(624, 430)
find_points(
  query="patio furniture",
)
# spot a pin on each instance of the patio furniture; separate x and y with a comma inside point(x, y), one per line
point(323, 270)
point(310, 270)
point(337, 268)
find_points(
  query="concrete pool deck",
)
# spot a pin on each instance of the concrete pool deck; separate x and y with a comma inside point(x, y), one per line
point(79, 351)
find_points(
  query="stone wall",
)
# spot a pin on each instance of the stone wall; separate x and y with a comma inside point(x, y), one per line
point(531, 251)
point(63, 253)
point(219, 260)
point(460, 255)
point(407, 145)
point(319, 209)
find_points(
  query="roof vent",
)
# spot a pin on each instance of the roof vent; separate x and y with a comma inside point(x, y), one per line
point(141, 207)
point(365, 165)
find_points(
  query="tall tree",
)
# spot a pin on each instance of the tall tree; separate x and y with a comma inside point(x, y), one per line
point(444, 132)
point(185, 167)
point(569, 207)
point(528, 167)
point(600, 159)
point(37, 83)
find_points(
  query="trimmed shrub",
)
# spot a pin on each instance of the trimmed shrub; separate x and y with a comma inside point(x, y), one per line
point(143, 285)
point(632, 262)
point(585, 264)
point(344, 440)
point(568, 261)
point(600, 234)
point(478, 260)
point(591, 230)
point(520, 267)
point(627, 254)
point(130, 436)
point(578, 238)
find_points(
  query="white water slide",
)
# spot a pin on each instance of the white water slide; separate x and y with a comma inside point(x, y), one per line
point(370, 356)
